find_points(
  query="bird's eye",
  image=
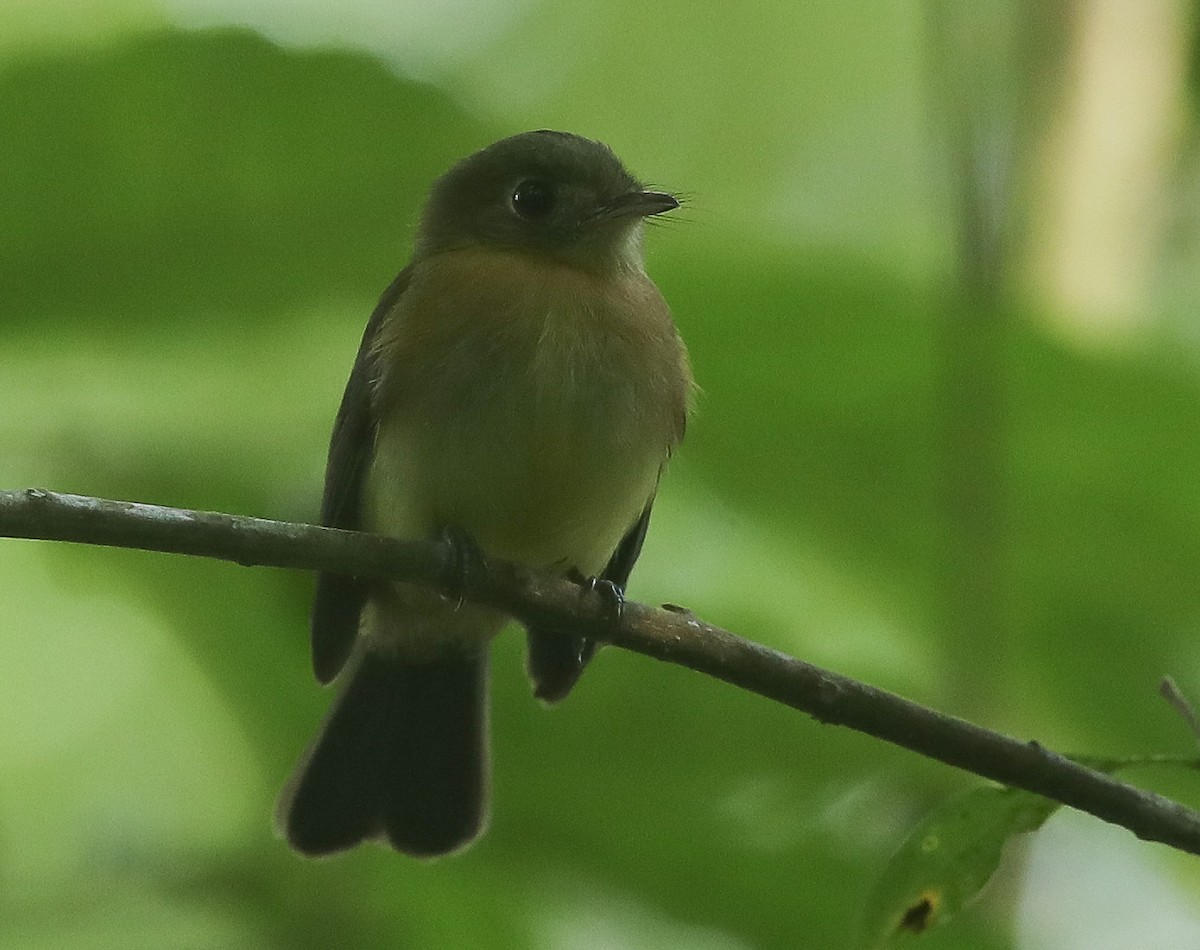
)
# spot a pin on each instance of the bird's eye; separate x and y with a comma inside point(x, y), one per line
point(533, 199)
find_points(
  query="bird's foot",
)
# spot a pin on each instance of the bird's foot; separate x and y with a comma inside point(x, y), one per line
point(612, 597)
point(463, 560)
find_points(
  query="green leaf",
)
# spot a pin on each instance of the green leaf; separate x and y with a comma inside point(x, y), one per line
point(947, 859)
point(949, 856)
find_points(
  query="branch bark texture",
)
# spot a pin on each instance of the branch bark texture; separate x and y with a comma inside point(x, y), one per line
point(670, 634)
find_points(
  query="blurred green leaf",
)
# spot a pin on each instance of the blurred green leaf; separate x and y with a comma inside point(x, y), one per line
point(211, 174)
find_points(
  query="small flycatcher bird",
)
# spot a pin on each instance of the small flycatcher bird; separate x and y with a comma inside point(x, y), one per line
point(520, 384)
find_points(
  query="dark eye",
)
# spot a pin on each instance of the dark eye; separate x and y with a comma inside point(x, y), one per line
point(533, 199)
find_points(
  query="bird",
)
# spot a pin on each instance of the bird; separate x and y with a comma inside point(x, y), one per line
point(519, 389)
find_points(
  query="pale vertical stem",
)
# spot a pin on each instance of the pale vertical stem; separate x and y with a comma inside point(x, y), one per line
point(1107, 156)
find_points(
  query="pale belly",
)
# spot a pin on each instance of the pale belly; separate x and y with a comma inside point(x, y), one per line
point(527, 481)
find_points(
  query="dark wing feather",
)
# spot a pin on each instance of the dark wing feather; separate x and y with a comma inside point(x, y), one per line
point(556, 657)
point(620, 565)
point(339, 600)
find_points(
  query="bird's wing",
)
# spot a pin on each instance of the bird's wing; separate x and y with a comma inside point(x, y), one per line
point(339, 599)
point(620, 565)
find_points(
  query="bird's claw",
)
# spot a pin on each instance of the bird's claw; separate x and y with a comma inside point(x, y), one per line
point(612, 597)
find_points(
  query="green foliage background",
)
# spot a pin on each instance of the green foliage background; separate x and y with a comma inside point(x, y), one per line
point(195, 225)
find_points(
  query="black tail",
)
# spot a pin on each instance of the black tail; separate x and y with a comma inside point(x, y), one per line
point(401, 757)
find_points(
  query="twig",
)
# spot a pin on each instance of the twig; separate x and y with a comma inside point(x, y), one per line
point(673, 635)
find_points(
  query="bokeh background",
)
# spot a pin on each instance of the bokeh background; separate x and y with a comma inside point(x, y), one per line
point(939, 270)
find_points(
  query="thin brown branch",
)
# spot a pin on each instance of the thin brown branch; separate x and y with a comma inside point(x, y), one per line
point(673, 635)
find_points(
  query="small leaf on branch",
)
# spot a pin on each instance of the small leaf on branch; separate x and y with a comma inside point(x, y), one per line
point(949, 856)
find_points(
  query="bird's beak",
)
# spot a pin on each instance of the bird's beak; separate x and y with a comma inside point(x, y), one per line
point(640, 204)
